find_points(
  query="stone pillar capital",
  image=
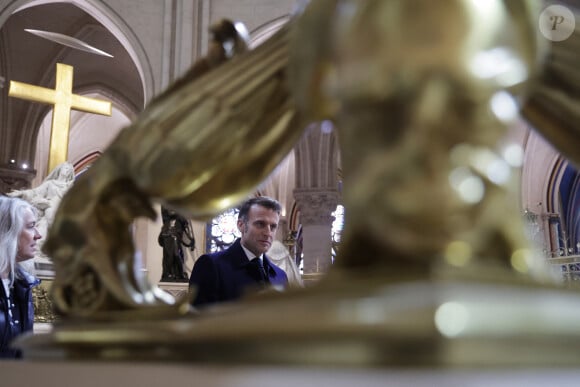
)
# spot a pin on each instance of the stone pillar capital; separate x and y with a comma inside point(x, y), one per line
point(316, 205)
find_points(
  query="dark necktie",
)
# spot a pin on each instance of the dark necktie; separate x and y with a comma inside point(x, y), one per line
point(263, 275)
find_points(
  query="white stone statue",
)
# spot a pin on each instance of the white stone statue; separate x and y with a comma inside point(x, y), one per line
point(280, 255)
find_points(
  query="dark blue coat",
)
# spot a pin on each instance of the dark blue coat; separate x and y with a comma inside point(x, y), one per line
point(22, 310)
point(227, 275)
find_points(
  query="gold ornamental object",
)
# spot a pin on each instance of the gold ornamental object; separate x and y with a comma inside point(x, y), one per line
point(434, 269)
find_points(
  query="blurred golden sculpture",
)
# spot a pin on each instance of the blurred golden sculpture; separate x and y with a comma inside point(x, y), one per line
point(434, 263)
point(43, 308)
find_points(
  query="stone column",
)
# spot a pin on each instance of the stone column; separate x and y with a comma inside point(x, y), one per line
point(316, 206)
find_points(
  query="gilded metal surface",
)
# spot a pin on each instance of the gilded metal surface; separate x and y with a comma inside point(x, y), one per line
point(434, 268)
point(63, 100)
point(552, 107)
point(43, 308)
point(412, 98)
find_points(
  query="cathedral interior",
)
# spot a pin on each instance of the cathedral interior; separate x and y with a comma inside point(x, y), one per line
point(129, 52)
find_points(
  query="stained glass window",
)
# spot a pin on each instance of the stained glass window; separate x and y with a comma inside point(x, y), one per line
point(336, 230)
point(222, 231)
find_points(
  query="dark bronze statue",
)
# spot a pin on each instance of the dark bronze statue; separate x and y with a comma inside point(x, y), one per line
point(174, 236)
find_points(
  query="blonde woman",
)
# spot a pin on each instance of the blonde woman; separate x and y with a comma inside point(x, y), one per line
point(18, 243)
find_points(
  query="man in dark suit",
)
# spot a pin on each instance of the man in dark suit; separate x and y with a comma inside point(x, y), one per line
point(243, 267)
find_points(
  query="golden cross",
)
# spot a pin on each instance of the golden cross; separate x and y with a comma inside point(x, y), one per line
point(63, 101)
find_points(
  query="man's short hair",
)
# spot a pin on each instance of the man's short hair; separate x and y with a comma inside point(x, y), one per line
point(264, 201)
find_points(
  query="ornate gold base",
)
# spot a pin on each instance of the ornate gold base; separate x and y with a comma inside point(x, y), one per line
point(365, 322)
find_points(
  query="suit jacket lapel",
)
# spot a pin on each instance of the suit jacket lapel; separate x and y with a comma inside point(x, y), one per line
point(236, 255)
point(268, 266)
